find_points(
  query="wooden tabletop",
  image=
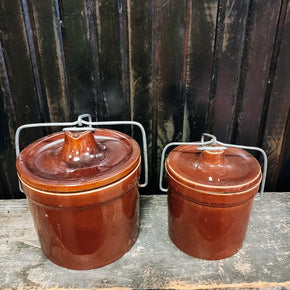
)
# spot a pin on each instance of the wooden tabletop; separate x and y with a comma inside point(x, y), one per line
point(154, 261)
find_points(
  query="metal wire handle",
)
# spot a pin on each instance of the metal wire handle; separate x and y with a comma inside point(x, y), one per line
point(213, 142)
point(70, 126)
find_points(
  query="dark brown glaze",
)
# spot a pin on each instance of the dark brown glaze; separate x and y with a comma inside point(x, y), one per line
point(71, 162)
point(80, 149)
point(229, 170)
point(90, 228)
point(208, 219)
point(207, 232)
point(88, 237)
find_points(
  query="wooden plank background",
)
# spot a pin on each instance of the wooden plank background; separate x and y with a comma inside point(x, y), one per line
point(179, 67)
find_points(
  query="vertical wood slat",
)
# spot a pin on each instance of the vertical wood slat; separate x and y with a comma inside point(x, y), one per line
point(284, 168)
point(218, 43)
point(20, 101)
point(200, 30)
point(124, 53)
point(228, 71)
point(140, 68)
point(42, 106)
point(168, 61)
point(78, 56)
point(8, 178)
point(53, 79)
point(17, 58)
point(114, 105)
point(262, 37)
point(279, 105)
point(7, 124)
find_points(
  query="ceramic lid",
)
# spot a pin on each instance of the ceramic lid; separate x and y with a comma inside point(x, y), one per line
point(221, 171)
point(78, 161)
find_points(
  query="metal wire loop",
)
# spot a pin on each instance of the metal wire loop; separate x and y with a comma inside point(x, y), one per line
point(80, 122)
point(76, 129)
point(211, 145)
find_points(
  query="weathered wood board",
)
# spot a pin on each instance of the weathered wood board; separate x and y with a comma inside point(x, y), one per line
point(154, 262)
point(180, 68)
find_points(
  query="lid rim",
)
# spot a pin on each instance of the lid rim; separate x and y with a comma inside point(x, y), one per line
point(80, 186)
point(229, 193)
point(83, 180)
point(78, 193)
point(234, 170)
point(198, 185)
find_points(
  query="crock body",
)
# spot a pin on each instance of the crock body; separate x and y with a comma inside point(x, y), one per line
point(82, 189)
point(210, 196)
point(204, 230)
point(91, 235)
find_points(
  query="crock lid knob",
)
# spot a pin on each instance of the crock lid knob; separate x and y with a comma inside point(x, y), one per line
point(79, 147)
point(213, 157)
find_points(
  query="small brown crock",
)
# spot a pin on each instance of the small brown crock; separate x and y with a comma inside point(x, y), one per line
point(210, 195)
point(82, 189)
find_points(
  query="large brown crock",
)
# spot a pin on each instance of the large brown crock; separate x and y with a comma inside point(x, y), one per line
point(210, 195)
point(82, 189)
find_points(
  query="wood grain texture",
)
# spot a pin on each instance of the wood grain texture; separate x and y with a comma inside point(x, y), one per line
point(168, 30)
point(115, 104)
point(19, 70)
point(200, 28)
point(19, 101)
point(49, 53)
point(261, 38)
point(284, 169)
point(169, 43)
point(178, 67)
point(7, 124)
point(228, 71)
point(279, 106)
point(78, 56)
point(154, 262)
point(140, 68)
point(8, 178)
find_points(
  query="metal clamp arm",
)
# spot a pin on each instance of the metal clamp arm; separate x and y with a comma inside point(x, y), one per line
point(213, 142)
point(80, 122)
point(163, 158)
point(38, 125)
point(265, 165)
point(144, 140)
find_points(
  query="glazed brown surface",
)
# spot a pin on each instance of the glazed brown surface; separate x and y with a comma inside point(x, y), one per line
point(210, 195)
point(70, 162)
point(88, 237)
point(90, 229)
point(206, 231)
point(97, 224)
point(229, 170)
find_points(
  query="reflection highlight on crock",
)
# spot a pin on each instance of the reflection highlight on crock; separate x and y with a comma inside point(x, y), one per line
point(82, 188)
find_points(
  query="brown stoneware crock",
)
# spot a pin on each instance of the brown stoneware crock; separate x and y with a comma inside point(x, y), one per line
point(82, 189)
point(210, 195)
